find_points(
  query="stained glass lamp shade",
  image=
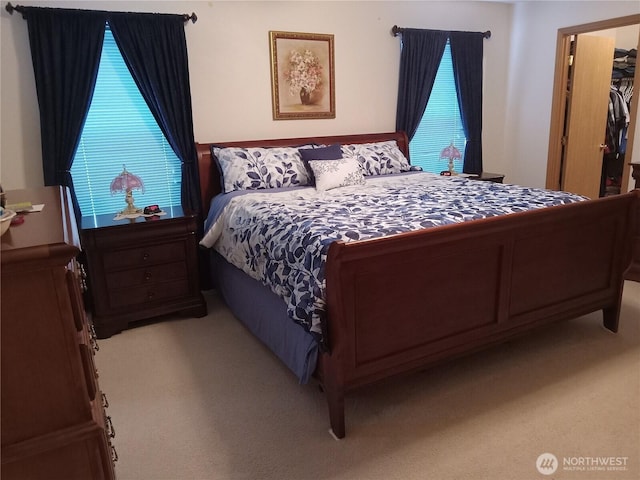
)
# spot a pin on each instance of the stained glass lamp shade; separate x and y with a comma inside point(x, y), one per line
point(126, 182)
point(451, 153)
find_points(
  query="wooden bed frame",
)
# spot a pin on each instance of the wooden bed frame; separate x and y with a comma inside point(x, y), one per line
point(397, 304)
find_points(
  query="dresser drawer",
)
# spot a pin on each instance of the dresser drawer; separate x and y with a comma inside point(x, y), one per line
point(148, 275)
point(145, 255)
point(90, 372)
point(77, 307)
point(152, 294)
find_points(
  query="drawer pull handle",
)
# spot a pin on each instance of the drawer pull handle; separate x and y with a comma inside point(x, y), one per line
point(145, 256)
point(150, 295)
point(93, 338)
point(109, 426)
point(105, 402)
point(147, 276)
point(82, 277)
point(114, 454)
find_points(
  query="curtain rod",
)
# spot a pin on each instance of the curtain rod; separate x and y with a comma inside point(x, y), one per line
point(396, 30)
point(19, 8)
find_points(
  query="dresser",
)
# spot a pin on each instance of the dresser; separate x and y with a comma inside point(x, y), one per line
point(54, 422)
point(141, 268)
point(634, 271)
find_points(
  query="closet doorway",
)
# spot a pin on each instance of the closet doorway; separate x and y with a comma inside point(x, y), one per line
point(580, 108)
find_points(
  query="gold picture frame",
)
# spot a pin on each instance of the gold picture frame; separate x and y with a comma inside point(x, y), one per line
point(302, 75)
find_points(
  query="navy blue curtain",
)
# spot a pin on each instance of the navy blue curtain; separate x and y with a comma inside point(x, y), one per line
point(65, 52)
point(466, 55)
point(420, 58)
point(154, 48)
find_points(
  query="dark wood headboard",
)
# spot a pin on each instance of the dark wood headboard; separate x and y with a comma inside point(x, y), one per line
point(210, 183)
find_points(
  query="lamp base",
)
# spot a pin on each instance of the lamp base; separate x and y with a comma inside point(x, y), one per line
point(131, 208)
point(451, 170)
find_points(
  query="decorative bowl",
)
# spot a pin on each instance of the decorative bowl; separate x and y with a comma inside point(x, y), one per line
point(5, 220)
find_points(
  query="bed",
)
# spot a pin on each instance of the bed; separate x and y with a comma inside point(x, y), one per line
point(397, 303)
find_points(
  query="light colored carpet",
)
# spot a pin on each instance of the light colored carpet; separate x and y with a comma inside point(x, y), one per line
point(203, 399)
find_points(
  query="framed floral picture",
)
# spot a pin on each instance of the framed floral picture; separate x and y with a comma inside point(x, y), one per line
point(302, 76)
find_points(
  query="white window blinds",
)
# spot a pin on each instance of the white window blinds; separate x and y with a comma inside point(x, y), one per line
point(120, 130)
point(440, 124)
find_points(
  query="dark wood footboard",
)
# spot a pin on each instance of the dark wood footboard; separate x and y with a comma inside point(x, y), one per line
point(400, 303)
point(634, 270)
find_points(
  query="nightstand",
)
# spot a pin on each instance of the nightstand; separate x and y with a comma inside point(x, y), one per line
point(141, 268)
point(634, 270)
point(489, 177)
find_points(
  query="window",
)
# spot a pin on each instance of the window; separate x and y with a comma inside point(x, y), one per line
point(441, 123)
point(120, 130)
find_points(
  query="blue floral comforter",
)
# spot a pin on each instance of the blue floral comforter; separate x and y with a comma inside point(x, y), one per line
point(282, 237)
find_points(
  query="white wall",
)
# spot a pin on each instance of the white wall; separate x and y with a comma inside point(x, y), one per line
point(230, 71)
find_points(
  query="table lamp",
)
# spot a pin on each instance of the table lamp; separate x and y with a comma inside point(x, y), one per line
point(126, 182)
point(451, 153)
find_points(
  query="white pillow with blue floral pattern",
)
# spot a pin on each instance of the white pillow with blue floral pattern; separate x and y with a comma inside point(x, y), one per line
point(337, 173)
point(255, 168)
point(378, 158)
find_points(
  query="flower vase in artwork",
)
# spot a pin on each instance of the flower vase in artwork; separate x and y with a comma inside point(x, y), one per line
point(305, 96)
point(304, 76)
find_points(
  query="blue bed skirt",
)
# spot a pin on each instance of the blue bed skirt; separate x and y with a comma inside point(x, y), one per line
point(265, 315)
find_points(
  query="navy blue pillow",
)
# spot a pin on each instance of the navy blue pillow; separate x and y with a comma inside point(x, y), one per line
point(331, 152)
point(217, 162)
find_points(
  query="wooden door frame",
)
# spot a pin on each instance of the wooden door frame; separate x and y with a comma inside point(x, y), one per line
point(559, 107)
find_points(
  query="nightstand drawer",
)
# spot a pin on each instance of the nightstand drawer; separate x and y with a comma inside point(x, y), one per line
point(146, 276)
point(147, 255)
point(148, 294)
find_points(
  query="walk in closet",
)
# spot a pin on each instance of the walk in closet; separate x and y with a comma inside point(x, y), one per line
point(618, 120)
